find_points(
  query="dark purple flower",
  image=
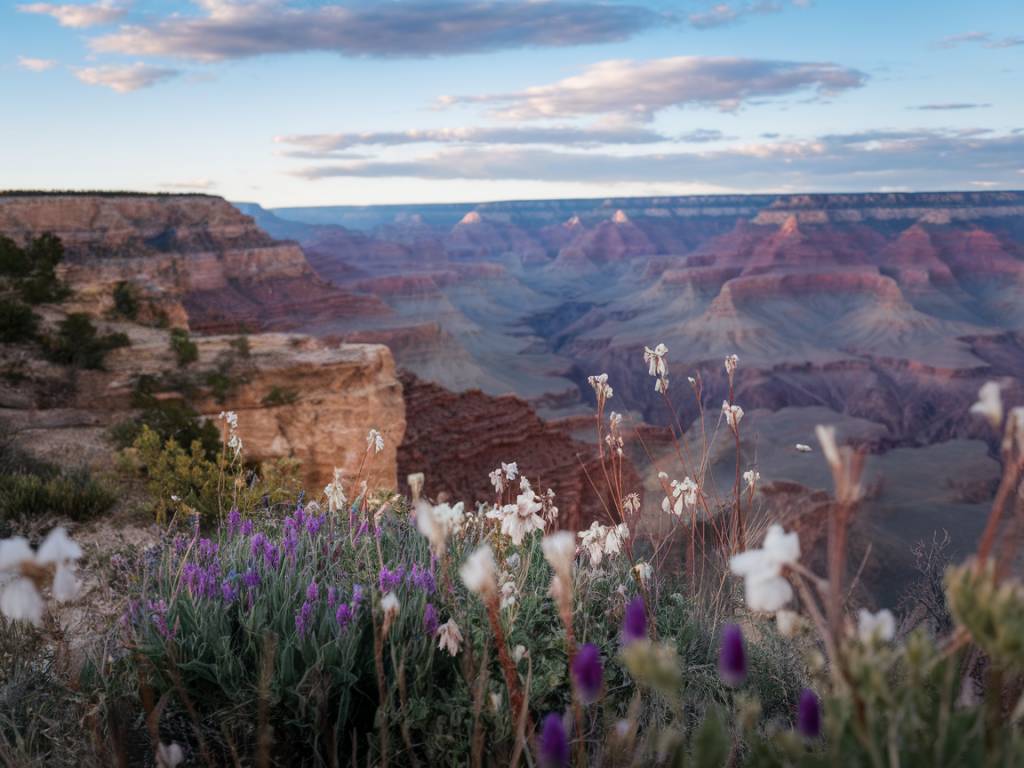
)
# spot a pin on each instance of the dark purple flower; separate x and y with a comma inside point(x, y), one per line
point(180, 545)
point(634, 624)
point(234, 521)
point(732, 656)
point(343, 615)
point(227, 592)
point(357, 596)
point(312, 591)
point(313, 524)
point(390, 580)
point(422, 579)
point(332, 598)
point(271, 555)
point(257, 545)
point(246, 527)
point(808, 715)
point(430, 622)
point(290, 542)
point(303, 618)
point(588, 673)
point(158, 614)
point(554, 743)
point(207, 549)
point(251, 578)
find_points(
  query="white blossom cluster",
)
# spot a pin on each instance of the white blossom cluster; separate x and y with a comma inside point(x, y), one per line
point(24, 572)
point(602, 541)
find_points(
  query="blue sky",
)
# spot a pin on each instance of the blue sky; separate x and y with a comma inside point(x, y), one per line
point(298, 102)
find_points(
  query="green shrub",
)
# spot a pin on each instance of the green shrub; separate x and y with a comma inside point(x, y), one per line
point(185, 350)
point(126, 303)
point(280, 396)
point(79, 344)
point(74, 495)
point(240, 344)
point(31, 270)
point(171, 419)
point(18, 323)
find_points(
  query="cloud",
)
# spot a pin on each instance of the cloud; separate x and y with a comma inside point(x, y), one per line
point(36, 65)
point(127, 78)
point(233, 29)
point(326, 144)
point(867, 160)
point(724, 13)
point(638, 89)
point(985, 39)
point(193, 185)
point(78, 16)
point(951, 105)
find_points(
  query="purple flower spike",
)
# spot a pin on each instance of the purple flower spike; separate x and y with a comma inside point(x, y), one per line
point(343, 615)
point(634, 625)
point(303, 618)
point(554, 744)
point(808, 715)
point(732, 656)
point(234, 521)
point(332, 598)
point(228, 592)
point(588, 673)
point(246, 527)
point(312, 591)
point(430, 622)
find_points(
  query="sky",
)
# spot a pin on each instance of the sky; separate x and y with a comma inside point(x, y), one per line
point(328, 102)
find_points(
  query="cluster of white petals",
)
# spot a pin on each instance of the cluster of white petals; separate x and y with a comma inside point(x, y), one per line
point(657, 366)
point(503, 474)
point(21, 571)
point(520, 519)
point(803, 448)
point(375, 440)
point(614, 436)
point(234, 441)
point(730, 365)
point(601, 387)
point(876, 627)
point(765, 587)
point(389, 605)
point(990, 403)
point(335, 492)
point(684, 493)
point(439, 521)
point(733, 414)
point(560, 551)
point(449, 637)
point(751, 477)
point(643, 572)
point(479, 570)
point(631, 504)
point(602, 541)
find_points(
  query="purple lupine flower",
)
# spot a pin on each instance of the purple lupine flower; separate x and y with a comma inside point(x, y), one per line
point(332, 598)
point(227, 592)
point(303, 618)
point(312, 591)
point(257, 545)
point(634, 623)
point(732, 656)
point(554, 744)
point(190, 575)
point(299, 516)
point(247, 527)
point(234, 521)
point(343, 615)
point(290, 542)
point(808, 714)
point(430, 622)
point(158, 614)
point(390, 580)
point(357, 596)
point(207, 549)
point(271, 555)
point(314, 523)
point(251, 578)
point(588, 673)
point(422, 579)
point(180, 545)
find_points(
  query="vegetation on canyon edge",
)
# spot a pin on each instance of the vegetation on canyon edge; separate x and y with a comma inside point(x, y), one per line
point(269, 625)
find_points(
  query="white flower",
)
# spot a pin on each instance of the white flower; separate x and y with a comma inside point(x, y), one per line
point(693, 381)
point(511, 470)
point(169, 755)
point(643, 571)
point(874, 627)
point(615, 421)
point(231, 418)
point(508, 590)
point(730, 365)
point(592, 540)
point(655, 359)
point(560, 551)
point(766, 589)
point(20, 600)
point(614, 538)
point(19, 596)
point(802, 448)
point(58, 548)
point(631, 504)
point(415, 481)
point(682, 493)
point(235, 444)
point(389, 605)
point(601, 387)
point(990, 403)
point(520, 519)
point(788, 622)
point(733, 414)
point(661, 385)
point(524, 484)
point(519, 653)
point(478, 571)
point(449, 637)
point(751, 478)
point(335, 493)
point(13, 552)
point(497, 480)
point(827, 438)
point(438, 522)
point(375, 440)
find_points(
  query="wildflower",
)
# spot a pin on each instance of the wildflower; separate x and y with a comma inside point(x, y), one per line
point(766, 589)
point(732, 656)
point(827, 438)
point(375, 440)
point(450, 638)
point(303, 618)
point(692, 381)
point(234, 521)
point(634, 623)
point(554, 743)
point(389, 580)
point(751, 478)
point(335, 493)
point(415, 481)
point(655, 359)
point(169, 755)
point(600, 540)
point(343, 615)
point(389, 605)
point(874, 627)
point(808, 715)
point(787, 622)
point(422, 579)
point(730, 365)
point(803, 448)
point(520, 519)
point(19, 592)
point(643, 571)
point(228, 593)
point(601, 387)
point(733, 414)
point(587, 672)
point(438, 522)
point(478, 571)
point(508, 591)
point(230, 417)
point(559, 550)
point(312, 591)
point(247, 527)
point(631, 504)
point(497, 480)
point(524, 484)
point(661, 385)
point(682, 493)
point(519, 653)
point(990, 403)
point(430, 619)
point(251, 578)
